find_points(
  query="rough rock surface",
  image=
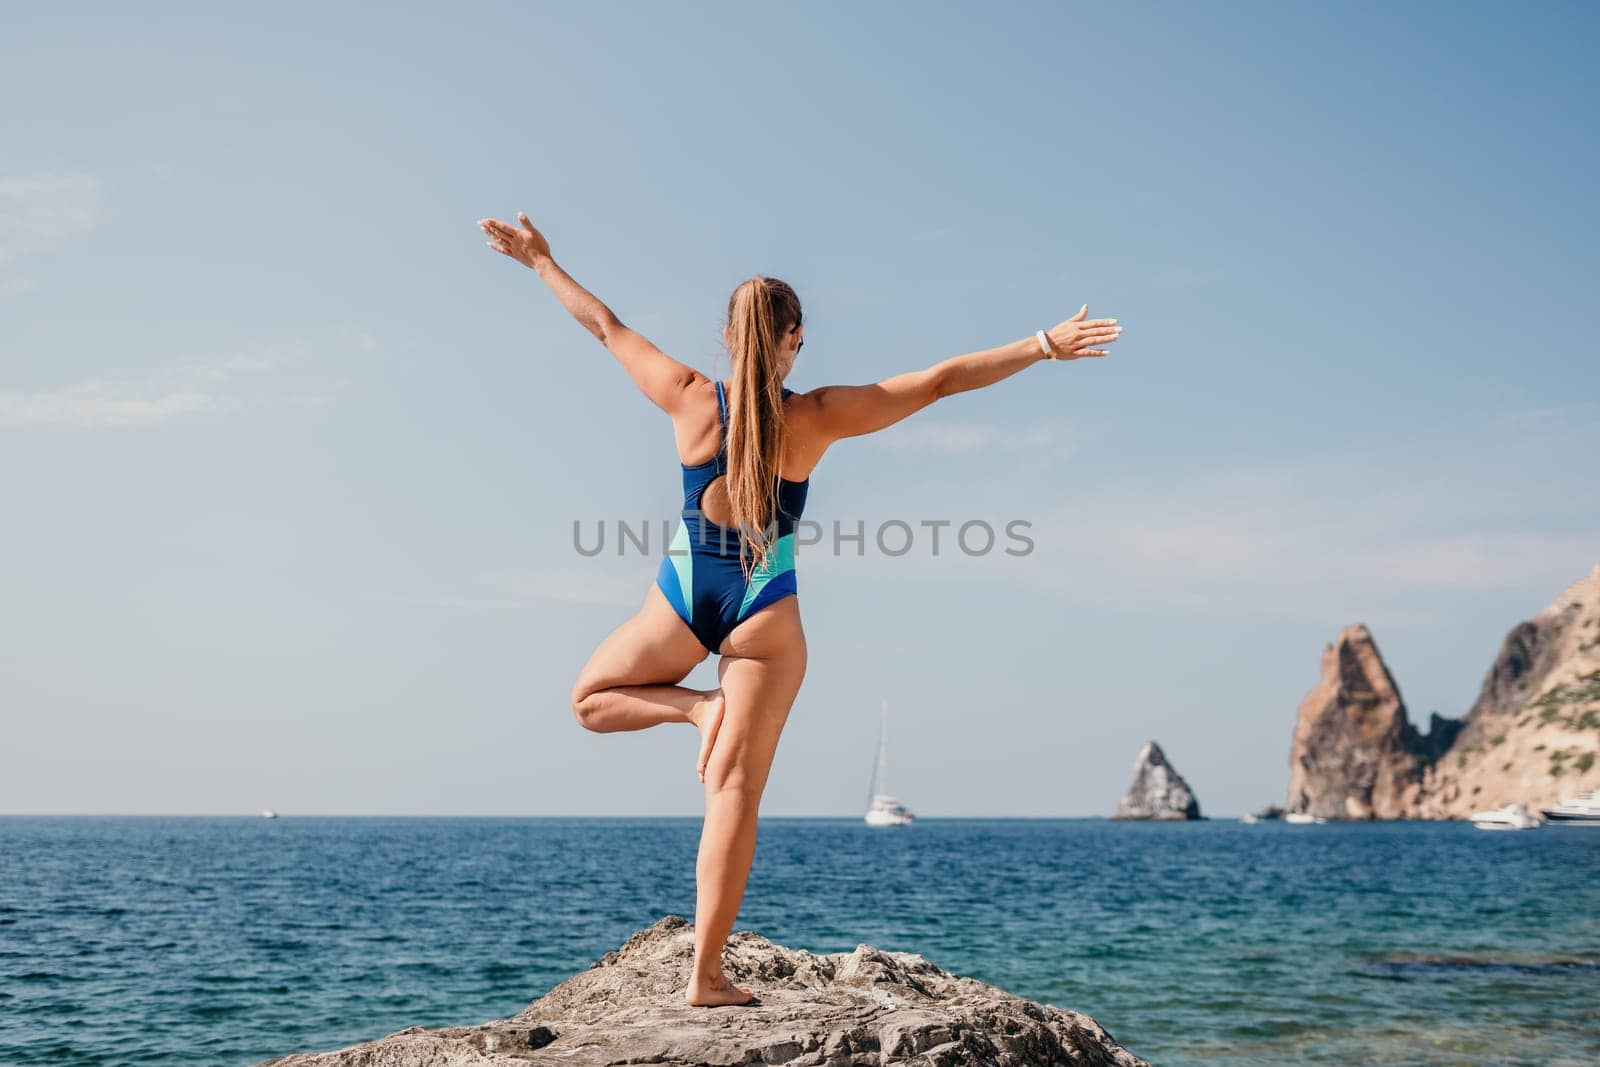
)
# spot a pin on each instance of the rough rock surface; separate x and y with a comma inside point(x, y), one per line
point(861, 1007)
point(1157, 790)
point(1532, 736)
point(1355, 753)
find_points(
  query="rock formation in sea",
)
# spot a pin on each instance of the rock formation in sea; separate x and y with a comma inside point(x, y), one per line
point(1532, 737)
point(1157, 791)
point(860, 1007)
point(1355, 753)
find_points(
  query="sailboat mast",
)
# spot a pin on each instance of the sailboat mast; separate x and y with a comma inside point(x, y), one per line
point(883, 751)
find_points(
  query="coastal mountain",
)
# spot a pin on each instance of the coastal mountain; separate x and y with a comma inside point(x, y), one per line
point(1157, 791)
point(1533, 734)
point(1531, 737)
point(858, 1007)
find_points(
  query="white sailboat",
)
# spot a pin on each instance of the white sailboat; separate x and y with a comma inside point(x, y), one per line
point(883, 809)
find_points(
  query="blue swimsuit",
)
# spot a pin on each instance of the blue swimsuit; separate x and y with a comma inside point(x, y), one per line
point(701, 574)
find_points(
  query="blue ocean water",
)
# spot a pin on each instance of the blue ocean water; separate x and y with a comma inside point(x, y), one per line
point(230, 940)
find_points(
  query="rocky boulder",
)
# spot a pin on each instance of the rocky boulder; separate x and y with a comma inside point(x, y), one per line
point(1157, 790)
point(860, 1007)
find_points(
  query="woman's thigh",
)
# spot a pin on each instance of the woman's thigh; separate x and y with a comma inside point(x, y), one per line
point(652, 647)
point(763, 664)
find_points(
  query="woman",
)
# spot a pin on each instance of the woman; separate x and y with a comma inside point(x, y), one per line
point(747, 447)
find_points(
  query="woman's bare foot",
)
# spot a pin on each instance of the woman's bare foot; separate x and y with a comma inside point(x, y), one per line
point(707, 718)
point(711, 992)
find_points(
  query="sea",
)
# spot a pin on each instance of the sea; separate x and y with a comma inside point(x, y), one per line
point(222, 940)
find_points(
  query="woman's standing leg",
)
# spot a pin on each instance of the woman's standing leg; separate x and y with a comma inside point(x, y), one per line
point(763, 664)
point(630, 681)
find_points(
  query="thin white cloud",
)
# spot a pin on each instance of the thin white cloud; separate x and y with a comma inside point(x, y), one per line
point(1476, 561)
point(1291, 542)
point(45, 208)
point(102, 403)
point(185, 387)
point(1254, 551)
point(97, 404)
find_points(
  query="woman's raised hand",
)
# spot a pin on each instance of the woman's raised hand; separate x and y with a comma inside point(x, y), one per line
point(526, 245)
point(1081, 337)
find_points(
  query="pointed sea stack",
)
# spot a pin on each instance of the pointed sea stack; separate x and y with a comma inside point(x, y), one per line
point(1157, 790)
point(1355, 753)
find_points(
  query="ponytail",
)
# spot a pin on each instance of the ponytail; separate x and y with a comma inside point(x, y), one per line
point(761, 311)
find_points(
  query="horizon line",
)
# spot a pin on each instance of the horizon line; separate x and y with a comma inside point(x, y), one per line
point(517, 815)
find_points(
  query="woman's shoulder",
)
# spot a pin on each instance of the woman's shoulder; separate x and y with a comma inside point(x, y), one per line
point(803, 407)
point(697, 424)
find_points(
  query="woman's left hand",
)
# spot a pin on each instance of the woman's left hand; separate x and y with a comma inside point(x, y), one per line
point(525, 245)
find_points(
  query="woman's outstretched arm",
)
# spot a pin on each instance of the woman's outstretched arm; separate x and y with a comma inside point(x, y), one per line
point(659, 376)
point(853, 410)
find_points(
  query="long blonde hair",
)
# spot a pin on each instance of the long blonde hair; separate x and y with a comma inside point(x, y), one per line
point(761, 312)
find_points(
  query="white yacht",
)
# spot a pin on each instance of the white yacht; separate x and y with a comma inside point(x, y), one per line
point(1581, 810)
point(1510, 817)
point(268, 813)
point(1304, 818)
point(883, 809)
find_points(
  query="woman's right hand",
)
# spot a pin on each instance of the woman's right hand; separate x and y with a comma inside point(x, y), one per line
point(1078, 336)
point(526, 245)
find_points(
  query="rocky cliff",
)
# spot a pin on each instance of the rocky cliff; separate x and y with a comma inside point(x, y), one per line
point(1157, 791)
point(1531, 737)
point(1355, 753)
point(861, 1007)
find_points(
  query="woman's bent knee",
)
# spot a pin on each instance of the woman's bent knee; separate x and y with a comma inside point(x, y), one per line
point(586, 706)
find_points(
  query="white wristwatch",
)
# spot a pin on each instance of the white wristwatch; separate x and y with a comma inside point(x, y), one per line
point(1044, 343)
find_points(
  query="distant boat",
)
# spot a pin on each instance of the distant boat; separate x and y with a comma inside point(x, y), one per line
point(1303, 818)
point(1510, 817)
point(1249, 820)
point(883, 809)
point(268, 813)
point(1581, 810)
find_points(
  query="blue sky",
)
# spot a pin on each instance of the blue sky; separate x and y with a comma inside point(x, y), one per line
point(292, 459)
